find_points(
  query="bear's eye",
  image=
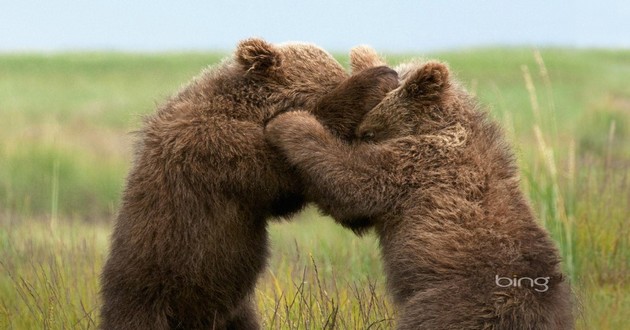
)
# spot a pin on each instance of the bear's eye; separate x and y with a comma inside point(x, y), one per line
point(367, 136)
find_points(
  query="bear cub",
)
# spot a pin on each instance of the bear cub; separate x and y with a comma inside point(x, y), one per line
point(436, 179)
point(191, 236)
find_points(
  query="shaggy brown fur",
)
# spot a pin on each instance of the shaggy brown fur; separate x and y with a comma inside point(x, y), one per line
point(191, 236)
point(441, 188)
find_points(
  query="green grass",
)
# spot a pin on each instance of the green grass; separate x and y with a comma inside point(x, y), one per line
point(65, 148)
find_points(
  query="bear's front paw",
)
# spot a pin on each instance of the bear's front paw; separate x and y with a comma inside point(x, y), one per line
point(290, 128)
point(383, 77)
point(378, 82)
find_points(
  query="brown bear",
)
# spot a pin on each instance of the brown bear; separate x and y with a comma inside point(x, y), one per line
point(435, 178)
point(191, 235)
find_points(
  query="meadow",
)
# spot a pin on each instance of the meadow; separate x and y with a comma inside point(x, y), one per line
point(66, 123)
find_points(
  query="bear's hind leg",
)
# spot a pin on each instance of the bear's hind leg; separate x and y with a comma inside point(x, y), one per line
point(134, 318)
point(444, 307)
point(245, 317)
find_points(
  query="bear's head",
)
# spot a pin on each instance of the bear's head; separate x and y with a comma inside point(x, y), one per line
point(301, 72)
point(426, 101)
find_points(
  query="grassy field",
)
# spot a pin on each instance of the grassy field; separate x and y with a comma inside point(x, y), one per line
point(65, 148)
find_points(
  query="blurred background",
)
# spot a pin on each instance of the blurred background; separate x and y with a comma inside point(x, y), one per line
point(76, 78)
point(395, 26)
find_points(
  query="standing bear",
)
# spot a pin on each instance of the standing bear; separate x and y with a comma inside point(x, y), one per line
point(191, 235)
point(435, 178)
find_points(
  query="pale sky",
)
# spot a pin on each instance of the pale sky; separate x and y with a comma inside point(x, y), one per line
point(145, 25)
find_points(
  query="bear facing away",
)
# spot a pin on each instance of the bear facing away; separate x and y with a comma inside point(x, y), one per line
point(191, 235)
point(440, 186)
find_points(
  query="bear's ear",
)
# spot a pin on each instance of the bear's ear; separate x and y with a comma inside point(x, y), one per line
point(258, 56)
point(428, 82)
point(364, 57)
